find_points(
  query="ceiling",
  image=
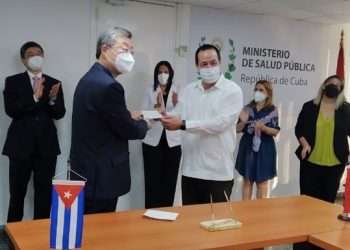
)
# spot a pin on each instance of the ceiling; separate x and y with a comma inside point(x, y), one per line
point(318, 11)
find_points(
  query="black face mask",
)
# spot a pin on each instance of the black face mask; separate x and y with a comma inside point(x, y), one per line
point(331, 91)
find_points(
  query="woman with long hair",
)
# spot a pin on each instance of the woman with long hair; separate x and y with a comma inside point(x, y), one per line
point(256, 159)
point(161, 148)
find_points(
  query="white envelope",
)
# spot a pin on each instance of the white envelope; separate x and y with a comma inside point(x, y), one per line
point(151, 114)
point(160, 215)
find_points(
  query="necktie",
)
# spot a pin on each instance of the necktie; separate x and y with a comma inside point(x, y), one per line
point(35, 82)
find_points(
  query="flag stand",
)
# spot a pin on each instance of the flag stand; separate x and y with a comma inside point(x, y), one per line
point(68, 172)
point(67, 211)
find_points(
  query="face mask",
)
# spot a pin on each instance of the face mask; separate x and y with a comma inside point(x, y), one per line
point(331, 91)
point(210, 75)
point(163, 78)
point(124, 62)
point(259, 96)
point(35, 63)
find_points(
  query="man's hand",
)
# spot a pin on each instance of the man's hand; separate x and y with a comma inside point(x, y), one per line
point(171, 122)
point(136, 115)
point(39, 88)
point(54, 91)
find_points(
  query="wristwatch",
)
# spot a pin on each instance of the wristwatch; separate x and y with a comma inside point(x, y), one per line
point(183, 125)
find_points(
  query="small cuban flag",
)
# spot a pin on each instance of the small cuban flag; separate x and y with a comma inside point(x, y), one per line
point(67, 214)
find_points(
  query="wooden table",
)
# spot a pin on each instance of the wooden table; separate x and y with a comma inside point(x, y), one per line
point(265, 222)
point(335, 240)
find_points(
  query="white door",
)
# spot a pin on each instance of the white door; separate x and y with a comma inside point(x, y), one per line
point(154, 35)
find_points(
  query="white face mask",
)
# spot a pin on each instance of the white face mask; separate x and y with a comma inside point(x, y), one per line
point(163, 78)
point(124, 62)
point(35, 63)
point(210, 75)
point(259, 96)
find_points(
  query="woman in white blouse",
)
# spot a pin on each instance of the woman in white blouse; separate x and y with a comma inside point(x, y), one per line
point(161, 148)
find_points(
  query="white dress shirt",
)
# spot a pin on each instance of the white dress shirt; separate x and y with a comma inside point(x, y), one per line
point(209, 141)
point(155, 132)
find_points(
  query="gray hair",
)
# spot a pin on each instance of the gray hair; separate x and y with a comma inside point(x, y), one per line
point(341, 97)
point(109, 38)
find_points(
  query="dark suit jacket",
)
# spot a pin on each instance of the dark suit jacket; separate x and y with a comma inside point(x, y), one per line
point(101, 128)
point(306, 127)
point(32, 129)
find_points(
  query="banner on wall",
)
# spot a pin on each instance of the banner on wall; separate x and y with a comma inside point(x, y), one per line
point(293, 55)
point(261, 63)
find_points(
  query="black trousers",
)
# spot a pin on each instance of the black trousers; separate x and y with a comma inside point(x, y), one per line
point(93, 206)
point(161, 166)
point(43, 169)
point(198, 191)
point(320, 182)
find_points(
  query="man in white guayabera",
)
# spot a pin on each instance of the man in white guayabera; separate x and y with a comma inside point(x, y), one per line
point(207, 113)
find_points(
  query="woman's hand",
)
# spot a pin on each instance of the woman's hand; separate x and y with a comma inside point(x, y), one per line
point(306, 148)
point(259, 125)
point(174, 98)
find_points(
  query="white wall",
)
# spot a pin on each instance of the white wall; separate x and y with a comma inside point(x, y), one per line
point(63, 29)
point(67, 29)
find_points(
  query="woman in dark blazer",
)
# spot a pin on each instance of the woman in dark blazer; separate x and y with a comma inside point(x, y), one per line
point(321, 166)
point(322, 130)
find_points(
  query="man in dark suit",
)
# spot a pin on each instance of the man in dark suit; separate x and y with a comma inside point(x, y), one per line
point(102, 125)
point(32, 100)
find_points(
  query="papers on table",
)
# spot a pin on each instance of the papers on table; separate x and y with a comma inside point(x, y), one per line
point(151, 114)
point(160, 215)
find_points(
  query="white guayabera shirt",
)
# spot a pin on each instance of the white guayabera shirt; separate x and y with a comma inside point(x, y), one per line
point(208, 143)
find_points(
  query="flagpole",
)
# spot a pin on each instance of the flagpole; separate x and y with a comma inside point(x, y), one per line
point(68, 170)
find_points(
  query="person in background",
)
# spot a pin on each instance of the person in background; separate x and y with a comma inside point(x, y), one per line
point(322, 130)
point(161, 148)
point(33, 100)
point(256, 159)
point(207, 113)
point(102, 124)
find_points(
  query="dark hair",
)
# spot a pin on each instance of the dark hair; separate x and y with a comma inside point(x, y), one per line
point(207, 47)
point(28, 45)
point(171, 75)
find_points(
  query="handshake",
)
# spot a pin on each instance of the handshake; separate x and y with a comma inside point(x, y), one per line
point(170, 122)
